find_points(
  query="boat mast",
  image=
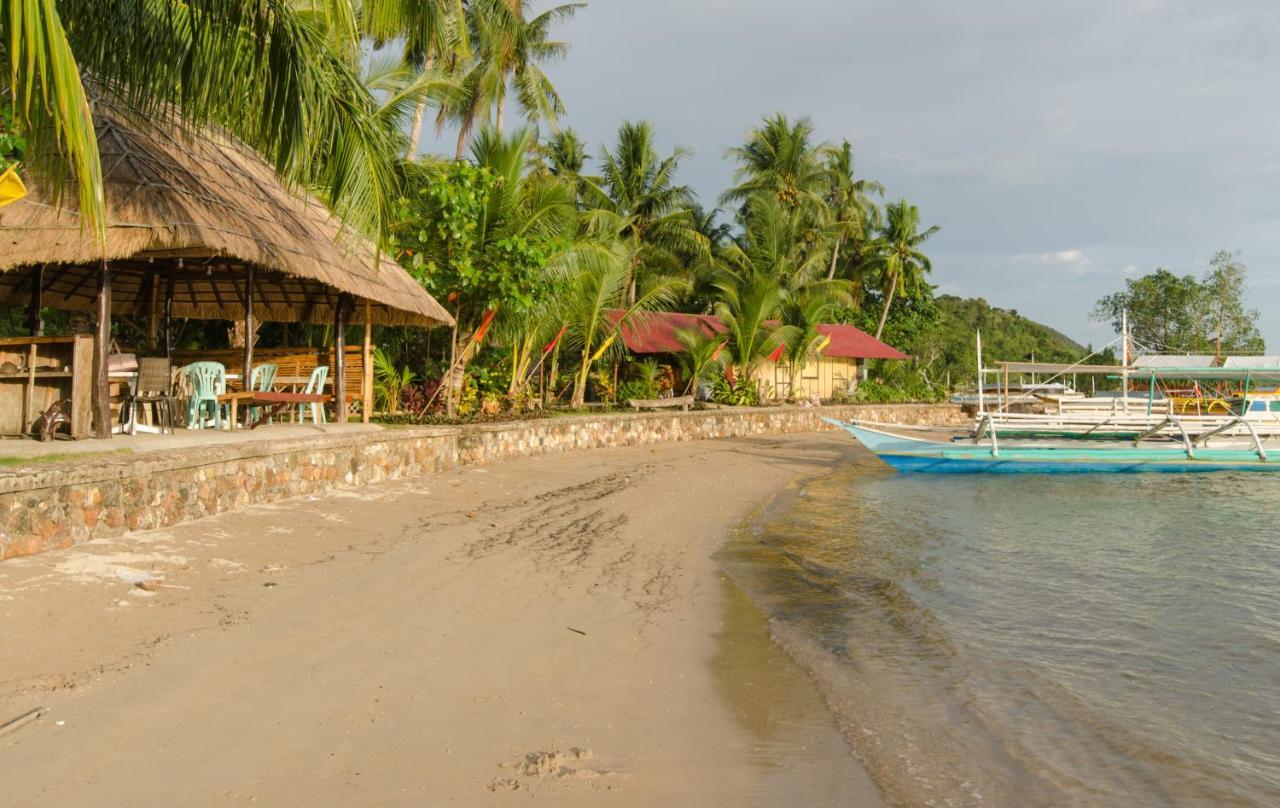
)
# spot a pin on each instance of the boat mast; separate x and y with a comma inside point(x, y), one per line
point(982, 377)
point(1124, 364)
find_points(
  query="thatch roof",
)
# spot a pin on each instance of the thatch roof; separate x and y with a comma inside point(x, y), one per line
point(218, 206)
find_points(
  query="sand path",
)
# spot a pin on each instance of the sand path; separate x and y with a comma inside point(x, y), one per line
point(552, 630)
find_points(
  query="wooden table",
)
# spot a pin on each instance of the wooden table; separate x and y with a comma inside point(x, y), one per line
point(271, 402)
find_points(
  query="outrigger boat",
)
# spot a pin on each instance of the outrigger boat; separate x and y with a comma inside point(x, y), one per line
point(1128, 437)
point(906, 453)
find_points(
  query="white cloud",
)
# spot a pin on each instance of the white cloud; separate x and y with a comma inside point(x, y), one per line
point(1070, 259)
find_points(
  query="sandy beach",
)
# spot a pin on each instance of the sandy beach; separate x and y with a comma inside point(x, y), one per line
point(553, 630)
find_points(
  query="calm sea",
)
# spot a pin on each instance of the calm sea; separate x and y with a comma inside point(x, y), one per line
point(1036, 640)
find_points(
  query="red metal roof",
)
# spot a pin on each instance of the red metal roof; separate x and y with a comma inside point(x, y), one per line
point(855, 343)
point(655, 332)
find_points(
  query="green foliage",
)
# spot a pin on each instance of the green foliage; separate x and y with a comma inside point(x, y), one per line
point(12, 145)
point(1169, 312)
point(644, 383)
point(389, 381)
point(741, 392)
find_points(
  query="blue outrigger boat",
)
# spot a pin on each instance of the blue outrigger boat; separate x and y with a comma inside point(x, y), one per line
point(906, 453)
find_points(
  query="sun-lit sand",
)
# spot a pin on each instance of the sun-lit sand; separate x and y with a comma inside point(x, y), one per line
point(553, 629)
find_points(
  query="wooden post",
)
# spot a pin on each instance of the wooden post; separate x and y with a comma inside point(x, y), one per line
point(168, 315)
point(35, 322)
point(340, 360)
point(366, 407)
point(154, 312)
point(101, 347)
point(248, 329)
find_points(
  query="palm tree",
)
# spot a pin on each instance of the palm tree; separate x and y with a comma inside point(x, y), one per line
point(597, 272)
point(566, 153)
point(902, 264)
point(510, 48)
point(780, 158)
point(854, 214)
point(281, 76)
point(748, 305)
point(432, 32)
point(650, 212)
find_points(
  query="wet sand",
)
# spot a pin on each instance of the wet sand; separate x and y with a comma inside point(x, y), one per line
point(552, 629)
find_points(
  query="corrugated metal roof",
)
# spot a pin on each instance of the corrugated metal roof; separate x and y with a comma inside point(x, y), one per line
point(1171, 361)
point(655, 332)
point(1249, 362)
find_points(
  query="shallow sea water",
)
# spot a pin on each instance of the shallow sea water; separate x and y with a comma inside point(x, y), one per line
point(1035, 640)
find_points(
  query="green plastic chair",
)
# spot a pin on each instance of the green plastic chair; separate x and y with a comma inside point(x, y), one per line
point(315, 384)
point(208, 380)
point(263, 377)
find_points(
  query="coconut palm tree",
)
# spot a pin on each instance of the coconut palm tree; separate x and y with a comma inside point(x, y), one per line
point(282, 76)
point(432, 33)
point(637, 190)
point(854, 214)
point(510, 48)
point(595, 304)
point(780, 157)
point(901, 263)
point(566, 153)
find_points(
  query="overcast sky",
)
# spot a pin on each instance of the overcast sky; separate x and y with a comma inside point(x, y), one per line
point(1060, 146)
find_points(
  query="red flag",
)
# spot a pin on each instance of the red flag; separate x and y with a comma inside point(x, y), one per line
point(552, 344)
point(719, 348)
point(484, 324)
point(777, 352)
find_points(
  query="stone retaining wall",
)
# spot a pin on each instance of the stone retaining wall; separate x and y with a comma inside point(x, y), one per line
point(57, 505)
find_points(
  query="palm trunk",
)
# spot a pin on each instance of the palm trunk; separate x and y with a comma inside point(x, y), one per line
point(415, 132)
point(502, 112)
point(419, 115)
point(580, 384)
point(553, 373)
point(462, 140)
point(835, 256)
point(447, 381)
point(888, 301)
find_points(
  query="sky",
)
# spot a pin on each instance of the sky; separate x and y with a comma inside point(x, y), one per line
point(1061, 147)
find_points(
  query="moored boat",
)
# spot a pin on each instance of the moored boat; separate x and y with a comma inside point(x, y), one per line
point(911, 454)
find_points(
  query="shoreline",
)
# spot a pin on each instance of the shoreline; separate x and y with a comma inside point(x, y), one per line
point(552, 628)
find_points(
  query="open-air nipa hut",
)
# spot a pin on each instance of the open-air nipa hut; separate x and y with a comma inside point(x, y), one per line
point(198, 226)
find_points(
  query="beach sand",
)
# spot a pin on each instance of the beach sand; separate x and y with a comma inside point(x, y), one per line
point(551, 630)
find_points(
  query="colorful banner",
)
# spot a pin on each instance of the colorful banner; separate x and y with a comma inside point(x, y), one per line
point(550, 346)
point(484, 324)
point(11, 187)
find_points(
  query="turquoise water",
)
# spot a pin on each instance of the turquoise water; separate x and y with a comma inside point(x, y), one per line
point(988, 640)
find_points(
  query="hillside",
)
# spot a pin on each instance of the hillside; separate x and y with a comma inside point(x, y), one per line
point(944, 343)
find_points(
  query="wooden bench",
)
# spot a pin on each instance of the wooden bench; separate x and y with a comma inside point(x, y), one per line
point(683, 402)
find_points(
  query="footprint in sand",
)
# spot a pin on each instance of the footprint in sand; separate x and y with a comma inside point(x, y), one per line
point(556, 765)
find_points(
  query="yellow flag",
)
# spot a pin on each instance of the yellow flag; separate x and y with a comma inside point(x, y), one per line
point(605, 346)
point(821, 344)
point(11, 187)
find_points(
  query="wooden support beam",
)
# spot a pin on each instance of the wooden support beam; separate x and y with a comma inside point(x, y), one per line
point(153, 313)
point(248, 327)
point(35, 321)
point(340, 360)
point(168, 314)
point(102, 347)
point(366, 406)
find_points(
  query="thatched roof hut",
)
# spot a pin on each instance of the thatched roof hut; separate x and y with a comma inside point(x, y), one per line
point(213, 203)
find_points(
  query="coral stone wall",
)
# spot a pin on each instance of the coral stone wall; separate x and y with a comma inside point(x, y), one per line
point(57, 505)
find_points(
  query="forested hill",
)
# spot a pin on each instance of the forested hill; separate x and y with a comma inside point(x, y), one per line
point(945, 352)
point(1005, 333)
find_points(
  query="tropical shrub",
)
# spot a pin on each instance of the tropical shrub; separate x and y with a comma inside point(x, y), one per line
point(737, 393)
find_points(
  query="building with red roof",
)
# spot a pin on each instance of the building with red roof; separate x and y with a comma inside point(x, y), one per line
point(836, 368)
